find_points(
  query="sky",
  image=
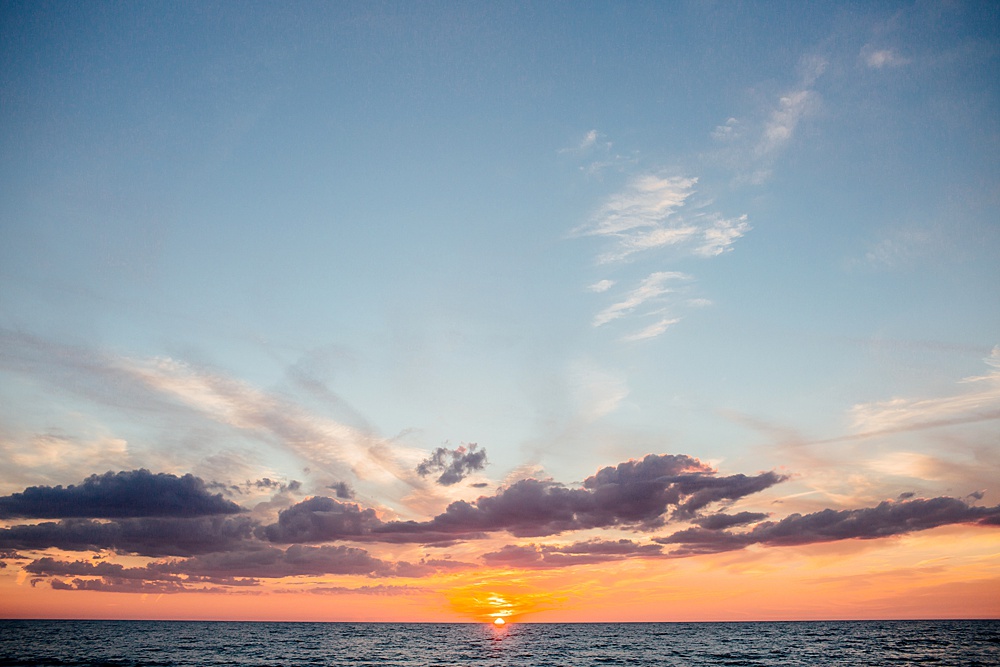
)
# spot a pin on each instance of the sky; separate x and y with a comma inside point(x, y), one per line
point(552, 312)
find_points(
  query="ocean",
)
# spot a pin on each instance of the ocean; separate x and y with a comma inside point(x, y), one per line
point(202, 644)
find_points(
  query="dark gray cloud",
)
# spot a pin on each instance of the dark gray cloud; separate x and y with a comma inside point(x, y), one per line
point(136, 493)
point(240, 567)
point(720, 521)
point(47, 567)
point(145, 536)
point(265, 561)
point(320, 519)
point(634, 494)
point(119, 586)
point(343, 490)
point(453, 464)
point(884, 520)
point(580, 553)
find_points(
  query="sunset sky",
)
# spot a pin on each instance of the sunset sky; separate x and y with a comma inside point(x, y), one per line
point(456, 311)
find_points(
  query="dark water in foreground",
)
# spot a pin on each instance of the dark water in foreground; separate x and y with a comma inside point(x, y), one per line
point(869, 643)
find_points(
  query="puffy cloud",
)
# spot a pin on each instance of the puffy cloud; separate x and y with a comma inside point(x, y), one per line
point(150, 536)
point(343, 490)
point(634, 494)
point(320, 519)
point(453, 464)
point(138, 493)
point(884, 520)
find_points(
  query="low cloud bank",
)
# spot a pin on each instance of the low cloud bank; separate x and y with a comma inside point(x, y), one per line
point(887, 519)
point(198, 540)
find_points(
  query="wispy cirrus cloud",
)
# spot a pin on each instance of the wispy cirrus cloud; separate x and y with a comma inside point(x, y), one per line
point(652, 286)
point(653, 330)
point(751, 145)
point(652, 214)
point(649, 213)
point(647, 202)
point(169, 386)
point(980, 402)
point(876, 58)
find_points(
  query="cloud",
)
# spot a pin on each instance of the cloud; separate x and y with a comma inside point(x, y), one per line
point(545, 556)
point(44, 457)
point(784, 119)
point(143, 536)
point(240, 567)
point(881, 58)
point(118, 586)
point(649, 214)
point(169, 386)
point(645, 203)
point(728, 131)
point(720, 236)
point(634, 494)
point(324, 442)
point(48, 567)
point(585, 144)
point(320, 519)
point(981, 402)
point(602, 286)
point(722, 520)
point(297, 560)
point(903, 246)
point(751, 146)
point(453, 464)
point(651, 287)
point(380, 589)
point(653, 330)
point(342, 489)
point(138, 493)
point(886, 519)
point(595, 391)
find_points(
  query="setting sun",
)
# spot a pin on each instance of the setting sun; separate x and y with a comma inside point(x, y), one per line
point(499, 621)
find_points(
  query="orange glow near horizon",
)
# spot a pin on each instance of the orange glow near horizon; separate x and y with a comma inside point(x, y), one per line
point(894, 578)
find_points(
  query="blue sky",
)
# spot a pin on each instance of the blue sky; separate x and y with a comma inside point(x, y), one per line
point(316, 242)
